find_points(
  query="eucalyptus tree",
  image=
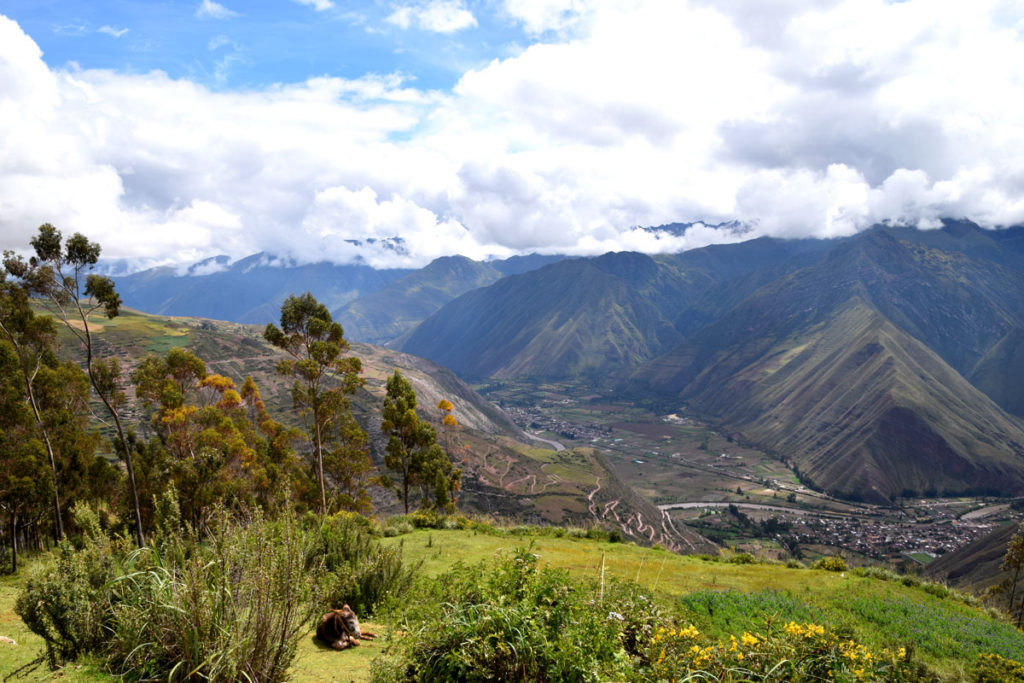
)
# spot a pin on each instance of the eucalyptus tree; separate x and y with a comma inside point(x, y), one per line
point(24, 481)
point(58, 275)
point(325, 378)
point(32, 339)
point(413, 451)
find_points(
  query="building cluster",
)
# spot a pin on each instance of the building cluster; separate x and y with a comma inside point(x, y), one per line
point(538, 422)
point(888, 537)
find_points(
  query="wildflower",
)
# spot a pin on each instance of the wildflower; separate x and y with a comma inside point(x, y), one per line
point(902, 654)
point(616, 615)
point(814, 630)
point(689, 632)
point(748, 639)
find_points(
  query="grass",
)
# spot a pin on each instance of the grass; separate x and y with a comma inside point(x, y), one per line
point(718, 596)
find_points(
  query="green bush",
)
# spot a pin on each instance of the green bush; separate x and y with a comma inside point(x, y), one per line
point(742, 558)
point(67, 602)
point(516, 622)
point(803, 652)
point(830, 564)
point(992, 668)
point(232, 609)
point(359, 571)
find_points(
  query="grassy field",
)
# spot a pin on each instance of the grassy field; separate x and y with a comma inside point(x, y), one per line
point(719, 596)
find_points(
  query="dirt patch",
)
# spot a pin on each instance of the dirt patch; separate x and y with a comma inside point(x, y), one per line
point(93, 326)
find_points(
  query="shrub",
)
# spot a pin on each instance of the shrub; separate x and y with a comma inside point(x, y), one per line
point(230, 610)
point(66, 602)
point(939, 590)
point(742, 558)
point(830, 564)
point(359, 571)
point(794, 652)
point(991, 668)
point(425, 519)
point(517, 622)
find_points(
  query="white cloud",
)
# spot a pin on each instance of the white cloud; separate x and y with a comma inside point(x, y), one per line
point(401, 17)
point(208, 9)
point(438, 16)
point(111, 31)
point(318, 5)
point(841, 114)
point(541, 16)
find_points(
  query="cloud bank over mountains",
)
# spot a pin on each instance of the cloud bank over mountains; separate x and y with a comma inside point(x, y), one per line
point(794, 118)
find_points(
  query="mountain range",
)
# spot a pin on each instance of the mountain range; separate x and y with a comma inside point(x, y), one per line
point(879, 365)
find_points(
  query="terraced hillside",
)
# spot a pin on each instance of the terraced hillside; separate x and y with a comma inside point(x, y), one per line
point(504, 472)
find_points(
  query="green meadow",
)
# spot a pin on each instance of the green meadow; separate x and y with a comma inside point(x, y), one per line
point(721, 597)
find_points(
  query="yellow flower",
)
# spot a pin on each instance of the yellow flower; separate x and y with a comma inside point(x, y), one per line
point(902, 654)
point(739, 655)
point(689, 632)
point(748, 639)
point(794, 629)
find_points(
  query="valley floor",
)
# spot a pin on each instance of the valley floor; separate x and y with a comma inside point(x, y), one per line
point(682, 464)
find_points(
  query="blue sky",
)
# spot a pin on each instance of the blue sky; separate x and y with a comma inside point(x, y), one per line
point(175, 131)
point(247, 45)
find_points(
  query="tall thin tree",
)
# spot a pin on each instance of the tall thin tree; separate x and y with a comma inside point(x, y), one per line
point(59, 273)
point(324, 376)
point(32, 337)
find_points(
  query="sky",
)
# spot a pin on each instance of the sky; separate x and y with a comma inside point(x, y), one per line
point(321, 130)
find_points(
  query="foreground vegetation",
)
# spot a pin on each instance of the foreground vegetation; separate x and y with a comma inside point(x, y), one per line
point(519, 603)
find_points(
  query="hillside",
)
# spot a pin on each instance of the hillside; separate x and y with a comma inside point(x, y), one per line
point(502, 474)
point(571, 318)
point(977, 565)
point(861, 408)
point(718, 597)
point(388, 313)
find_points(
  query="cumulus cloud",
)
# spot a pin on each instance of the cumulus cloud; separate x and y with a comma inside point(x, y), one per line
point(208, 9)
point(838, 115)
point(439, 16)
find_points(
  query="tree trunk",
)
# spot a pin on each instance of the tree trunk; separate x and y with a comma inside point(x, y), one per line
point(14, 543)
point(126, 452)
point(320, 464)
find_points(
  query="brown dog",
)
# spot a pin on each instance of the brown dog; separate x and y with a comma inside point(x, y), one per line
point(339, 628)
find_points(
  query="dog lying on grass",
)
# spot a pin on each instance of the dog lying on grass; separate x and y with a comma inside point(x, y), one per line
point(339, 628)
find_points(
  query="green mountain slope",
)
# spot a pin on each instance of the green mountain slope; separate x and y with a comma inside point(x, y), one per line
point(386, 314)
point(567, 319)
point(853, 368)
point(977, 565)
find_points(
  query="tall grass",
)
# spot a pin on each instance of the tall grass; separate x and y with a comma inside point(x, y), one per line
point(230, 610)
